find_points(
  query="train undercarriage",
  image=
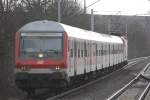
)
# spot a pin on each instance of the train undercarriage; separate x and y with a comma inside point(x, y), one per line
point(59, 80)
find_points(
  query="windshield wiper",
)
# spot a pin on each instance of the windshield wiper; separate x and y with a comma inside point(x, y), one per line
point(51, 50)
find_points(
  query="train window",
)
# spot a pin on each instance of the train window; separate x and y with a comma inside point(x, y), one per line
point(71, 53)
point(69, 45)
point(102, 52)
point(75, 49)
point(75, 53)
point(96, 52)
point(105, 52)
point(93, 53)
point(99, 52)
point(85, 53)
point(106, 49)
point(121, 48)
point(79, 53)
point(109, 48)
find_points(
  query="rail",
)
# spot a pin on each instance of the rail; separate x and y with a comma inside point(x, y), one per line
point(121, 91)
point(136, 60)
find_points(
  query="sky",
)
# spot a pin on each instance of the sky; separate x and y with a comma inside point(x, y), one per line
point(122, 7)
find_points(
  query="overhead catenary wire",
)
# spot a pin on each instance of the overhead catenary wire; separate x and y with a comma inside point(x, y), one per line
point(80, 11)
point(93, 3)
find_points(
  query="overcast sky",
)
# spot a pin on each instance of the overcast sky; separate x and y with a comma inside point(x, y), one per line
point(127, 7)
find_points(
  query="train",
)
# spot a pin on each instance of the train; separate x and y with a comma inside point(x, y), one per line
point(51, 54)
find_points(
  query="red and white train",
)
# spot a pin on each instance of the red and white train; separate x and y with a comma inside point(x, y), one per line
point(49, 54)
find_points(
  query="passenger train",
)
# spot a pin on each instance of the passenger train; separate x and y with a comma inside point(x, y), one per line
point(51, 54)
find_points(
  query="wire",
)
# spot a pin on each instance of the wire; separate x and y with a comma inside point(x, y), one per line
point(81, 11)
point(78, 12)
point(93, 3)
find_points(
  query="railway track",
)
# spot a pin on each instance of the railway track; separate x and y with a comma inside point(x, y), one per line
point(136, 89)
point(47, 95)
point(132, 62)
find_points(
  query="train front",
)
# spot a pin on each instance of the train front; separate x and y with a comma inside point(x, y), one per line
point(40, 55)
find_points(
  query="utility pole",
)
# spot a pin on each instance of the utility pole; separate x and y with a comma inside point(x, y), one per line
point(84, 6)
point(126, 28)
point(59, 11)
point(109, 24)
point(92, 20)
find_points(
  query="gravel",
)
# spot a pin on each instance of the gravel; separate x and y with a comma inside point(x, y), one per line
point(106, 87)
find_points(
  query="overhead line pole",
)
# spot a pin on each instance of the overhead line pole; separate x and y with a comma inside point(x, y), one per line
point(92, 20)
point(59, 11)
point(84, 6)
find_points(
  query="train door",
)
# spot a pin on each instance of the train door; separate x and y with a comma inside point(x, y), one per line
point(123, 52)
point(96, 50)
point(102, 54)
point(98, 56)
point(86, 57)
point(82, 56)
point(111, 54)
point(78, 58)
point(119, 53)
point(75, 57)
point(116, 53)
point(90, 55)
point(71, 57)
point(107, 55)
point(93, 55)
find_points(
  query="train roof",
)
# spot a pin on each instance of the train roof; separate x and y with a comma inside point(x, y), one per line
point(51, 26)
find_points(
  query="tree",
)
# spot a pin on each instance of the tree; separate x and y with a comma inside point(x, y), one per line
point(14, 14)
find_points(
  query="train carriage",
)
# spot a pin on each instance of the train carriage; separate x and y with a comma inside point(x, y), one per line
point(49, 53)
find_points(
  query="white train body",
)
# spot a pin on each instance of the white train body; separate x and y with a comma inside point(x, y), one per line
point(90, 51)
point(81, 52)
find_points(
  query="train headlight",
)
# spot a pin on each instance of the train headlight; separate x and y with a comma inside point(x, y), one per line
point(57, 67)
point(25, 68)
point(40, 55)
